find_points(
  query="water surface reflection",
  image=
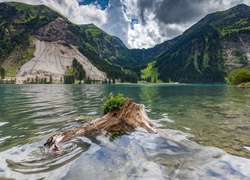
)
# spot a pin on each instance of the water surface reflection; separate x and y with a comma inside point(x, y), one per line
point(213, 116)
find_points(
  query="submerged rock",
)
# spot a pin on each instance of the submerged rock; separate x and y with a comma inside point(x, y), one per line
point(237, 147)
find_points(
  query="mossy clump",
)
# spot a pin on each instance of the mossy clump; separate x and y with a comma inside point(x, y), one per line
point(239, 76)
point(113, 103)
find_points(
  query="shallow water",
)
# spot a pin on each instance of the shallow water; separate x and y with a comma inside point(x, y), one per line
point(210, 125)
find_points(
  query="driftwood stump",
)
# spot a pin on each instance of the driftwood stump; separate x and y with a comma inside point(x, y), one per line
point(127, 119)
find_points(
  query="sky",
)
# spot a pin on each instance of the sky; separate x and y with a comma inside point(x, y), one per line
point(138, 23)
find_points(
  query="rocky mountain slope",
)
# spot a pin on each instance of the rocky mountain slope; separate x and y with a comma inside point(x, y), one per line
point(209, 50)
point(26, 28)
point(53, 59)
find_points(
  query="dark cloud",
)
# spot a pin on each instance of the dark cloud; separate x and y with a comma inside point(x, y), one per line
point(172, 11)
point(178, 11)
point(166, 31)
point(143, 5)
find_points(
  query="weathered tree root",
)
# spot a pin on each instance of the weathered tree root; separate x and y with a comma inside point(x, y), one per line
point(127, 119)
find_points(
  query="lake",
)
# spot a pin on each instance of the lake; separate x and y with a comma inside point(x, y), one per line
point(209, 123)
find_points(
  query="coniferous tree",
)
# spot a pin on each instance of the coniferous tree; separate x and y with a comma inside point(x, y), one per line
point(88, 80)
point(81, 75)
point(37, 80)
point(50, 79)
point(2, 71)
point(78, 71)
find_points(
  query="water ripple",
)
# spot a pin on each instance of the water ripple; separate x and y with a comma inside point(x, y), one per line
point(30, 158)
point(29, 114)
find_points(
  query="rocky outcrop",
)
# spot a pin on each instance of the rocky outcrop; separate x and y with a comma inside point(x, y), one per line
point(21, 23)
point(55, 50)
point(236, 49)
point(53, 59)
point(57, 30)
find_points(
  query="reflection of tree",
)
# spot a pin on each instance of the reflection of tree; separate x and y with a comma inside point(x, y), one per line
point(87, 98)
point(150, 94)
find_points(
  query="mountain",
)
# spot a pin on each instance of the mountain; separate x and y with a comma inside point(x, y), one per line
point(209, 50)
point(37, 41)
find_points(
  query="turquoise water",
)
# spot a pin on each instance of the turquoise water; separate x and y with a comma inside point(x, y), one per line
point(211, 124)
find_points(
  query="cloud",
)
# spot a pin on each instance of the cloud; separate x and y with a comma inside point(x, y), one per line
point(138, 23)
point(177, 11)
point(160, 20)
point(79, 14)
point(117, 22)
point(152, 27)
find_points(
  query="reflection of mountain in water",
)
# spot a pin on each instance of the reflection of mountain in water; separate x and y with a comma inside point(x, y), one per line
point(150, 95)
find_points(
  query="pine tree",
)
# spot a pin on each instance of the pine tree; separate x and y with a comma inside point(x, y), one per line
point(88, 81)
point(50, 79)
point(2, 71)
point(45, 80)
point(37, 79)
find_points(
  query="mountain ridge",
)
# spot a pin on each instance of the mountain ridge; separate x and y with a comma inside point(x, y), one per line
point(209, 50)
point(26, 22)
point(205, 53)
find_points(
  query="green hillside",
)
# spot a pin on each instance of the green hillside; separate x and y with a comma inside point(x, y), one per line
point(150, 73)
point(20, 23)
point(210, 50)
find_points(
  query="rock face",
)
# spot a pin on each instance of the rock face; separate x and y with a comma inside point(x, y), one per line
point(237, 51)
point(53, 59)
point(21, 24)
point(55, 51)
point(59, 29)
